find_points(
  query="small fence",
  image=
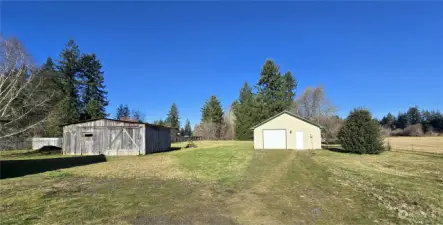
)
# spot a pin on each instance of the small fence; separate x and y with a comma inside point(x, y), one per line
point(16, 144)
point(406, 148)
point(184, 139)
point(418, 148)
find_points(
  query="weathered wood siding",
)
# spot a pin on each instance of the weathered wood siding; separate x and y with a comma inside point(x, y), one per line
point(157, 139)
point(103, 136)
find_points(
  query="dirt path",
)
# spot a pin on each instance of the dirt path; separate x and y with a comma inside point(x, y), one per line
point(246, 206)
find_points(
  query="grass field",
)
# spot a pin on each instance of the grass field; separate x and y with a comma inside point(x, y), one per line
point(424, 144)
point(226, 182)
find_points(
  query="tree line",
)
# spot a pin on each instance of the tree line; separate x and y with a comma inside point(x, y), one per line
point(36, 100)
point(276, 92)
point(273, 93)
point(173, 121)
point(413, 122)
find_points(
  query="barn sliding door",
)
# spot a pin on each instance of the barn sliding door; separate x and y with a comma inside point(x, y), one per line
point(274, 139)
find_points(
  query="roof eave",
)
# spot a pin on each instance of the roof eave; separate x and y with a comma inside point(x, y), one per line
point(291, 114)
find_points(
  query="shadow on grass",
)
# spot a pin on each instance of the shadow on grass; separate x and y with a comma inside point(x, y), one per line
point(169, 150)
point(174, 149)
point(17, 168)
point(336, 148)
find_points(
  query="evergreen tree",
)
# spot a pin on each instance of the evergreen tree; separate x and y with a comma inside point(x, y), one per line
point(432, 121)
point(182, 132)
point(402, 121)
point(48, 88)
point(212, 112)
point(388, 121)
point(122, 112)
point(159, 122)
point(188, 129)
point(244, 114)
point(48, 65)
point(414, 116)
point(68, 110)
point(93, 88)
point(137, 115)
point(271, 95)
point(361, 134)
point(51, 81)
point(173, 118)
point(289, 88)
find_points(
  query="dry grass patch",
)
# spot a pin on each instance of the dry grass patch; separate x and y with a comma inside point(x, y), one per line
point(212, 144)
point(160, 166)
point(409, 187)
point(425, 144)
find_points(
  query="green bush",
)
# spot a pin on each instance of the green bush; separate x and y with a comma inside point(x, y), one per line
point(361, 134)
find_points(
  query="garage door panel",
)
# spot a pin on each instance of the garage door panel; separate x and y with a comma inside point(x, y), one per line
point(274, 139)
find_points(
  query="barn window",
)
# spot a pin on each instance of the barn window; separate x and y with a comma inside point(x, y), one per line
point(88, 134)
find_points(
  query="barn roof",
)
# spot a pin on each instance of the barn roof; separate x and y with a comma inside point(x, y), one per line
point(289, 113)
point(123, 121)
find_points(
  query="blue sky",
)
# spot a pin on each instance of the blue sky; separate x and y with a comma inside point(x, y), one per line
point(386, 56)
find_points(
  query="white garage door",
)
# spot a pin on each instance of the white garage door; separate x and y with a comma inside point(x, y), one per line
point(274, 139)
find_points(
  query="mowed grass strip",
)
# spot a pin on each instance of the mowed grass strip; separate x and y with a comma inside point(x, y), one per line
point(230, 183)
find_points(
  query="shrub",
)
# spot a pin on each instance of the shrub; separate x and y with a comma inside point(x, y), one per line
point(361, 134)
point(385, 132)
point(413, 130)
point(397, 132)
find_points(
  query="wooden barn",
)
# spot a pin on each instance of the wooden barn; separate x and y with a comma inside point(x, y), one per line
point(114, 137)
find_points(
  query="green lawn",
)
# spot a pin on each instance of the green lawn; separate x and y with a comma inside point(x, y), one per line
point(226, 182)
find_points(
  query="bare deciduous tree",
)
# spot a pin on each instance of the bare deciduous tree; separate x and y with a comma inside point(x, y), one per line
point(21, 100)
point(313, 105)
point(206, 130)
point(331, 127)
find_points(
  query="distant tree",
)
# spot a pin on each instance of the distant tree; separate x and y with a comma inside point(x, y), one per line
point(313, 105)
point(122, 112)
point(182, 132)
point(159, 122)
point(432, 121)
point(331, 127)
point(413, 115)
point(173, 119)
point(212, 112)
point(271, 96)
point(93, 91)
point(48, 65)
point(361, 134)
point(69, 108)
point(137, 115)
point(207, 130)
point(388, 121)
point(188, 129)
point(244, 111)
point(289, 88)
point(402, 121)
point(52, 85)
